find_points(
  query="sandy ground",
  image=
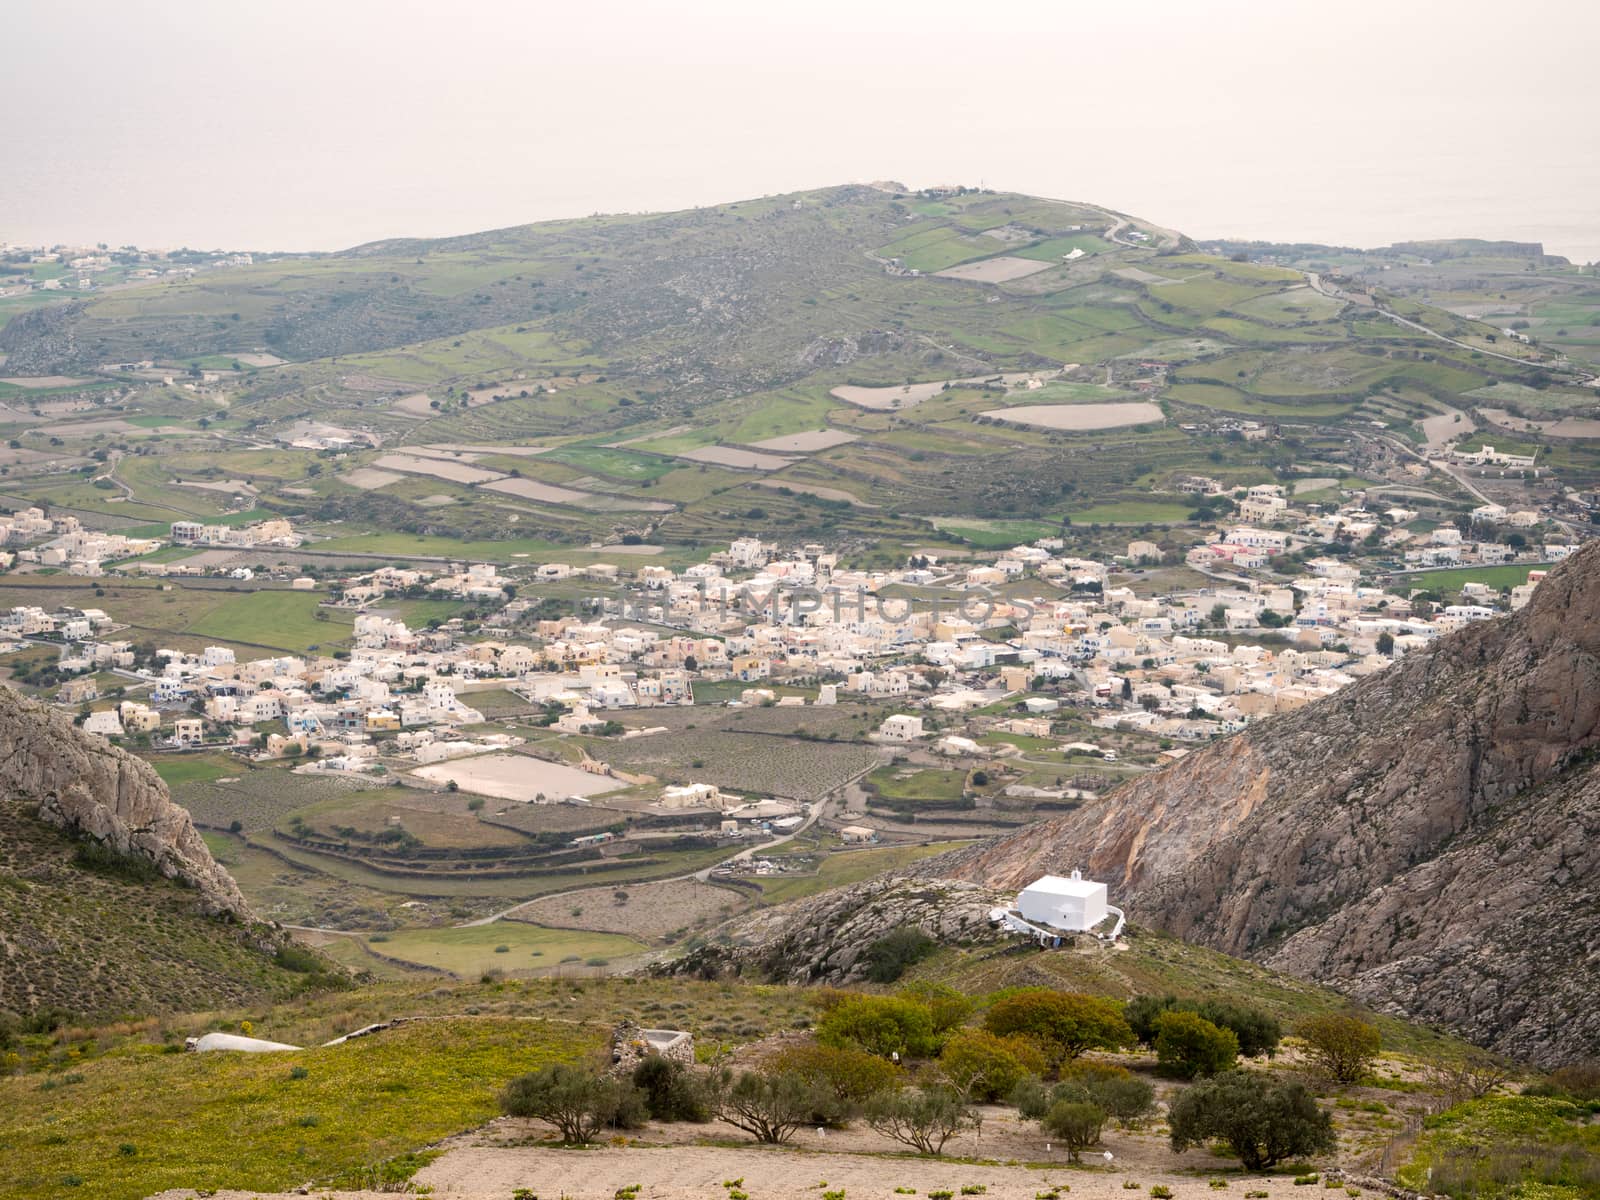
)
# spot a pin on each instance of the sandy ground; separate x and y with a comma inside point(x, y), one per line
point(438, 500)
point(1079, 417)
point(518, 777)
point(1440, 428)
point(804, 443)
point(1008, 1159)
point(453, 471)
point(906, 394)
point(369, 479)
point(729, 456)
point(996, 270)
point(260, 360)
point(651, 909)
point(418, 403)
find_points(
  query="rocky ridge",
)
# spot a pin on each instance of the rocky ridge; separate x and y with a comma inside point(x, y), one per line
point(88, 788)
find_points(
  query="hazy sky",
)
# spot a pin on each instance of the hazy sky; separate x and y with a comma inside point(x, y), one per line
point(316, 124)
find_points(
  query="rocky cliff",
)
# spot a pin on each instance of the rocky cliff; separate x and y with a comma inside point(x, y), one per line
point(88, 788)
point(1427, 841)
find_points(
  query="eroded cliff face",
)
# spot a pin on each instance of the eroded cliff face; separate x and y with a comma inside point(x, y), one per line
point(84, 785)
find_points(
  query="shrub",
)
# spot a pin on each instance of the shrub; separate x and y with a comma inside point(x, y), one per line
point(882, 1025)
point(1581, 1080)
point(923, 1118)
point(769, 1107)
point(670, 1090)
point(1064, 1024)
point(578, 1102)
point(1126, 1100)
point(1074, 1124)
point(984, 1066)
point(852, 1076)
point(1119, 1093)
point(948, 1007)
point(1188, 1045)
point(1159, 1192)
point(1262, 1121)
point(894, 953)
point(1341, 1046)
point(1258, 1032)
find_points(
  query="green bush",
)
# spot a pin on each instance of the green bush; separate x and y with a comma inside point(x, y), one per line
point(882, 1025)
point(948, 1007)
point(922, 1118)
point(1263, 1121)
point(1188, 1045)
point(1074, 1124)
point(850, 1076)
point(984, 1066)
point(1063, 1024)
point(577, 1101)
point(769, 1106)
point(1340, 1046)
point(894, 953)
point(1119, 1093)
point(670, 1090)
point(1258, 1032)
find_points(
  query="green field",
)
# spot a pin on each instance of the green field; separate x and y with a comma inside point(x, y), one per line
point(179, 769)
point(474, 949)
point(282, 620)
point(1450, 579)
point(1131, 512)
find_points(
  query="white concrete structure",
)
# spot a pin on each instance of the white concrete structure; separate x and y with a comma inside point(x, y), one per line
point(1074, 904)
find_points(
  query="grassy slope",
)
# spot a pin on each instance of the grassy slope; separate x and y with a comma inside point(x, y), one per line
point(243, 1120)
point(97, 943)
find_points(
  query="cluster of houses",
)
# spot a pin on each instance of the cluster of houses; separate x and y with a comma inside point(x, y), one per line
point(1033, 622)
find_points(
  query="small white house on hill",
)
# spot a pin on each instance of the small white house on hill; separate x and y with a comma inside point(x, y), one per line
point(1075, 904)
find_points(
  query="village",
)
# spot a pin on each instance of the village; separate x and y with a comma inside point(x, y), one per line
point(1047, 675)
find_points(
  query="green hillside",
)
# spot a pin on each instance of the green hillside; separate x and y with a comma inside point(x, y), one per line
point(688, 375)
point(94, 937)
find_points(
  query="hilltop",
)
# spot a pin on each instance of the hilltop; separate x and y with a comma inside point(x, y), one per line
point(1424, 840)
point(852, 362)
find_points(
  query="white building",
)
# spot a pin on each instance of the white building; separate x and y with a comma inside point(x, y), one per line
point(1074, 904)
point(902, 727)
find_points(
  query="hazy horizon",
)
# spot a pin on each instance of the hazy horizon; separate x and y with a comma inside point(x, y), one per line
point(299, 126)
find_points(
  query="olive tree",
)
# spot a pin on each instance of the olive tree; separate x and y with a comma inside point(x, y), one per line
point(1263, 1121)
point(578, 1102)
point(922, 1118)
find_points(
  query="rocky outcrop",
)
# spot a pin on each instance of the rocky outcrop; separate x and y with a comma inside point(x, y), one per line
point(825, 938)
point(89, 788)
